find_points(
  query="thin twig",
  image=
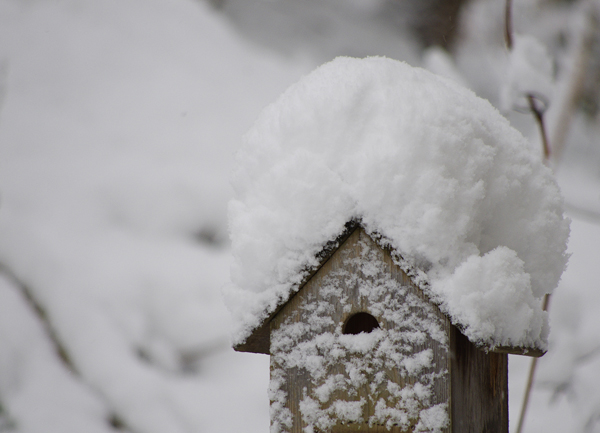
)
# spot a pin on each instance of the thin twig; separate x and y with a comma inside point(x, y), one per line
point(530, 377)
point(574, 81)
point(114, 420)
point(508, 31)
point(589, 215)
point(41, 314)
point(538, 114)
point(558, 139)
point(528, 387)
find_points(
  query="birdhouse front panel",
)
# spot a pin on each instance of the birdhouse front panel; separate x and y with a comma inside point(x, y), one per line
point(359, 348)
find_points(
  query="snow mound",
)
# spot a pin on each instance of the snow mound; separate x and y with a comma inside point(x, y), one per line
point(423, 162)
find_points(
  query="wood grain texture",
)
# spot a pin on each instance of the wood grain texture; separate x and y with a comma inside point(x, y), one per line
point(298, 382)
point(524, 351)
point(479, 383)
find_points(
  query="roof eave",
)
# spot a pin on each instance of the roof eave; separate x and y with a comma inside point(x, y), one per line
point(533, 352)
point(259, 341)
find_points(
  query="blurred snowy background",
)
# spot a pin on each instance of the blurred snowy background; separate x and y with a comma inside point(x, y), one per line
point(118, 123)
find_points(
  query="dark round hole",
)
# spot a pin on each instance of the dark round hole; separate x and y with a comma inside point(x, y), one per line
point(360, 322)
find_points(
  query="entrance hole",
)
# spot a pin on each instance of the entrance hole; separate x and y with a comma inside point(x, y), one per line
point(360, 322)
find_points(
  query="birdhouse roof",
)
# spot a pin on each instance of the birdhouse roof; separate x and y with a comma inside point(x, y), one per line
point(259, 340)
point(434, 172)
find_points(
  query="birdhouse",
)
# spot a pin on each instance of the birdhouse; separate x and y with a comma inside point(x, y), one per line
point(393, 238)
point(362, 347)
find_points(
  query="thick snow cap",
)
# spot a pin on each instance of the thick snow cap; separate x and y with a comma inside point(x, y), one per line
point(423, 162)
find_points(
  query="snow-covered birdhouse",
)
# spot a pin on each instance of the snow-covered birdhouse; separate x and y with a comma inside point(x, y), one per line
point(362, 347)
point(393, 239)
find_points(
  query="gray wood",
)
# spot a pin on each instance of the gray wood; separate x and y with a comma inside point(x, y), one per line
point(342, 258)
point(479, 382)
point(474, 380)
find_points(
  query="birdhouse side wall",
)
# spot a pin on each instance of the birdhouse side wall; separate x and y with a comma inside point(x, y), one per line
point(395, 378)
point(479, 387)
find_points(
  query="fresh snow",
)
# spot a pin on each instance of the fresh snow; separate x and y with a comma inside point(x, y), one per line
point(118, 120)
point(116, 135)
point(33, 376)
point(421, 161)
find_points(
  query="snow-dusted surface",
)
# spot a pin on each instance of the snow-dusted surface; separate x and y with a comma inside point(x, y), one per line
point(314, 346)
point(435, 170)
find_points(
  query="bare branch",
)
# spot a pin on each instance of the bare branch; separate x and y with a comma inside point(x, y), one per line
point(114, 420)
point(527, 393)
point(589, 215)
point(530, 378)
point(508, 30)
point(41, 314)
point(538, 114)
point(574, 82)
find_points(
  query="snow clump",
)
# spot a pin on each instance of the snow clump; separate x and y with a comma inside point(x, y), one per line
point(421, 161)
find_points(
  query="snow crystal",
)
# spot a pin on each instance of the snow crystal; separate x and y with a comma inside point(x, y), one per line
point(421, 161)
point(433, 419)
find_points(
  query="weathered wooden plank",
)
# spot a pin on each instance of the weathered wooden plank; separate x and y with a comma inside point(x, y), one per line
point(258, 342)
point(525, 351)
point(345, 258)
point(479, 388)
